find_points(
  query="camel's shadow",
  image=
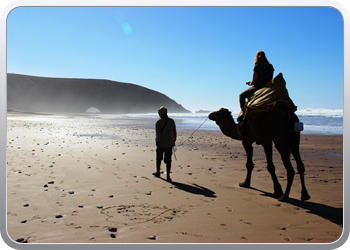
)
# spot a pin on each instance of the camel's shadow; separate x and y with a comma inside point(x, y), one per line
point(194, 189)
point(332, 214)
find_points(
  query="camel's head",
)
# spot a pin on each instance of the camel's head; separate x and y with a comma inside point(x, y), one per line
point(220, 114)
point(224, 120)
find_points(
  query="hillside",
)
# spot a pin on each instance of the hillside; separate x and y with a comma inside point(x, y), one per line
point(44, 94)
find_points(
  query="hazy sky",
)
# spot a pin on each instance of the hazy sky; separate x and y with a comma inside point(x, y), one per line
point(199, 56)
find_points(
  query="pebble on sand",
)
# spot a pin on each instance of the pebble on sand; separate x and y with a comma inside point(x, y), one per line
point(112, 229)
point(21, 240)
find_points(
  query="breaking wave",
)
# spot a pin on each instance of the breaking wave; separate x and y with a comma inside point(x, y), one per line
point(320, 112)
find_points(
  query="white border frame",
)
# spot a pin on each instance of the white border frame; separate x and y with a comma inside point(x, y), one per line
point(7, 6)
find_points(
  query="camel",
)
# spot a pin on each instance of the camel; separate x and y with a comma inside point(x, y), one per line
point(266, 128)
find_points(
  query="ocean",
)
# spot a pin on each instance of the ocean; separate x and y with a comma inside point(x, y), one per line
point(316, 121)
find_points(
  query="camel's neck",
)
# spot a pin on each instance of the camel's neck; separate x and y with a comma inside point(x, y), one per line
point(229, 128)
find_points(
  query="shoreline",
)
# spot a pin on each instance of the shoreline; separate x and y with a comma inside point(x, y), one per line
point(79, 181)
point(147, 121)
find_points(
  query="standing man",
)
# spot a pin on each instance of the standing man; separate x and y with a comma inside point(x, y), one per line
point(165, 140)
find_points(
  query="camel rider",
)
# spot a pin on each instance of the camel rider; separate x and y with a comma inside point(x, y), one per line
point(262, 74)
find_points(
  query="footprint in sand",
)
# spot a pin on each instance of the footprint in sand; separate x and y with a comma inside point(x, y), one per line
point(245, 222)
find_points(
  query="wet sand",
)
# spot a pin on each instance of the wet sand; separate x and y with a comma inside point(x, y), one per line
point(79, 180)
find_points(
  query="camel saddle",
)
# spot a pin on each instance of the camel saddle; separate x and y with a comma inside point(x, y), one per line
point(268, 98)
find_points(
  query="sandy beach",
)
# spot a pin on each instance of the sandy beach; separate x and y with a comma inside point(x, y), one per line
point(77, 180)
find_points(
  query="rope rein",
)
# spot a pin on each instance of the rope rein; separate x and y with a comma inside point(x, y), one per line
point(174, 148)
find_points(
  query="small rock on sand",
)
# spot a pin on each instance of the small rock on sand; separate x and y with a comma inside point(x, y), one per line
point(22, 240)
point(112, 229)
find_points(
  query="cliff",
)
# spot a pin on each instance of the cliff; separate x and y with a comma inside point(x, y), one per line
point(44, 94)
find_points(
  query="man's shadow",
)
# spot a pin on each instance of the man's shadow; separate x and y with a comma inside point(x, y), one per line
point(332, 214)
point(194, 189)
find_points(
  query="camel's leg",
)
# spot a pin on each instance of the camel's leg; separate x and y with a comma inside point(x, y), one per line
point(271, 168)
point(300, 166)
point(249, 165)
point(290, 173)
